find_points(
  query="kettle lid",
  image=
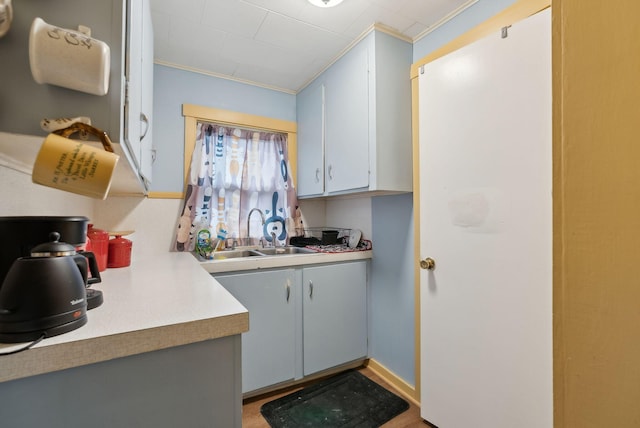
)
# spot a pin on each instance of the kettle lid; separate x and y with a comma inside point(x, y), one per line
point(54, 248)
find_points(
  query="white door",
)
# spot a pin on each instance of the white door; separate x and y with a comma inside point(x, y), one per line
point(485, 218)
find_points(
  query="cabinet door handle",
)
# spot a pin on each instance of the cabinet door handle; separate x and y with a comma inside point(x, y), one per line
point(330, 171)
point(288, 288)
point(144, 119)
point(317, 175)
point(310, 289)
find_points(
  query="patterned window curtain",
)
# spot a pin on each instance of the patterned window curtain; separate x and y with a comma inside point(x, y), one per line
point(232, 172)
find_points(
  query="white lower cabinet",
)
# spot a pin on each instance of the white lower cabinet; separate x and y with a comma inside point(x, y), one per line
point(301, 320)
point(268, 348)
point(334, 315)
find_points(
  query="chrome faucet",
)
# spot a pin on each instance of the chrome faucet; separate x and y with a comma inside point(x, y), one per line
point(274, 241)
point(249, 224)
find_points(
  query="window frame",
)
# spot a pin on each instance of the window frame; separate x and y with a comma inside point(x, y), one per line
point(194, 113)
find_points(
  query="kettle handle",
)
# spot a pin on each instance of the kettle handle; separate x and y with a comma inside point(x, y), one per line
point(81, 262)
point(93, 268)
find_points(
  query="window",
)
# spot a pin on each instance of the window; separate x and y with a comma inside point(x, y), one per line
point(235, 165)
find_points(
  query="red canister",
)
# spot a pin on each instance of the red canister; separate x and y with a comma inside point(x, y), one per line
point(99, 245)
point(119, 252)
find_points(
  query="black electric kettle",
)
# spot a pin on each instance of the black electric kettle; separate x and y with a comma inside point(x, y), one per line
point(45, 294)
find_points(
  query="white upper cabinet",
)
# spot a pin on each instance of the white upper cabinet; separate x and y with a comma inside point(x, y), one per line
point(310, 112)
point(359, 130)
point(139, 86)
point(124, 25)
point(347, 122)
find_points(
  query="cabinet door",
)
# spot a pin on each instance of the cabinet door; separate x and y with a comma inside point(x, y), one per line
point(133, 80)
point(268, 348)
point(146, 104)
point(139, 85)
point(334, 315)
point(347, 122)
point(310, 114)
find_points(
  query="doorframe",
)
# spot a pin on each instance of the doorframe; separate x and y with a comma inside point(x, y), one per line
point(518, 11)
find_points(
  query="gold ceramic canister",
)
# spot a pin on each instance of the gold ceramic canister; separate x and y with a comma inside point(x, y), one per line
point(74, 166)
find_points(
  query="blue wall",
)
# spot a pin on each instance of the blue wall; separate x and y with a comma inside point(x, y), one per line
point(173, 87)
point(391, 286)
point(469, 18)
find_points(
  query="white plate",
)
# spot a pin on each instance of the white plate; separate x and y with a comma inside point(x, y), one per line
point(354, 238)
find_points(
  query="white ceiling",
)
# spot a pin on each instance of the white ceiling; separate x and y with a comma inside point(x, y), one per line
point(280, 44)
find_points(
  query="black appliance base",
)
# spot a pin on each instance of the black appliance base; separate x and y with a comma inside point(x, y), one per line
point(94, 298)
point(6, 336)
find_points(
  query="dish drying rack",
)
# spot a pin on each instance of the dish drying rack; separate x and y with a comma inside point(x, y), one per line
point(325, 234)
point(328, 240)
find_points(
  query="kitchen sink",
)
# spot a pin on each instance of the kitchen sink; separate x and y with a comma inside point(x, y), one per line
point(281, 251)
point(234, 254)
point(260, 252)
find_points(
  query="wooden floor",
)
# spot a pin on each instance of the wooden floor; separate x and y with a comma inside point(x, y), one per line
point(251, 417)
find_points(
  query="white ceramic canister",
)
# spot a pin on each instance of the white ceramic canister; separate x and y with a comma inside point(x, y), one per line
point(68, 58)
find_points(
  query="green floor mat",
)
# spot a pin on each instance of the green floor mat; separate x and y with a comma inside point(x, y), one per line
point(349, 399)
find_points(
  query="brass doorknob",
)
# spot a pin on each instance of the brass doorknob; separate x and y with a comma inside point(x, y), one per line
point(428, 263)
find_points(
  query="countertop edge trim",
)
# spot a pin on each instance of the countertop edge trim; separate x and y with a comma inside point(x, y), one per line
point(46, 359)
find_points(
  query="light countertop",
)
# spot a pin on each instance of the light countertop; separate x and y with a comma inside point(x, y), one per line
point(160, 301)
